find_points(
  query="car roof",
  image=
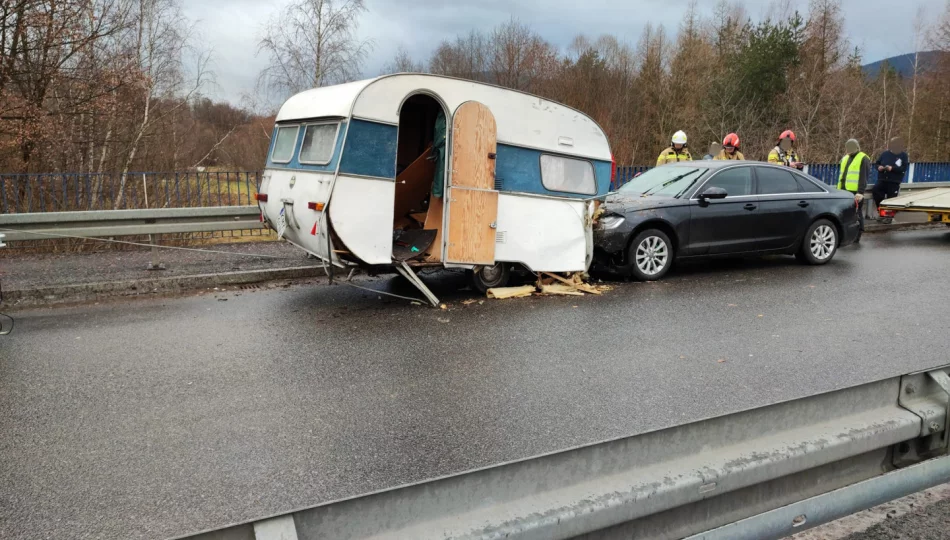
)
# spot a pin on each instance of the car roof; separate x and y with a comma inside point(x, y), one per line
point(718, 164)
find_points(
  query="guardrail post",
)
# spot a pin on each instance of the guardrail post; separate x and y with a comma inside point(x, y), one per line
point(1, 240)
point(279, 528)
point(910, 173)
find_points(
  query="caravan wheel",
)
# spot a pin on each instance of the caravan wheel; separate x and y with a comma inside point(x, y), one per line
point(488, 277)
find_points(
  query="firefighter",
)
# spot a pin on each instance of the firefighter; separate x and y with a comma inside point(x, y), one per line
point(730, 149)
point(676, 152)
point(784, 152)
point(855, 170)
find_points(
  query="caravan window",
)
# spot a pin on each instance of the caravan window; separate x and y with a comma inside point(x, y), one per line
point(284, 145)
point(318, 143)
point(569, 175)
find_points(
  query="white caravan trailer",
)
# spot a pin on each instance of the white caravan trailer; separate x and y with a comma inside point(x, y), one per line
point(359, 174)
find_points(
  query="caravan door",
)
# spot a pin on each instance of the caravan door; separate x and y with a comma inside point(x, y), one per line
point(471, 199)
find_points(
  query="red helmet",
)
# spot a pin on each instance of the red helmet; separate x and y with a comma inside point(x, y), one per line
point(787, 134)
point(731, 140)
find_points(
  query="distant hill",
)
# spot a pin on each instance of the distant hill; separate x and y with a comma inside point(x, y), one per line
point(904, 64)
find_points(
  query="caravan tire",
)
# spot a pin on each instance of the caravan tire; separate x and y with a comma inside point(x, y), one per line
point(488, 277)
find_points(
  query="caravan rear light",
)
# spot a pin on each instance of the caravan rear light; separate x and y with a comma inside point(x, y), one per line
point(318, 206)
point(886, 213)
point(261, 197)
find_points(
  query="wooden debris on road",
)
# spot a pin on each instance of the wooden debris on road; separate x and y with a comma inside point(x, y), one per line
point(501, 293)
point(560, 288)
point(576, 281)
point(551, 284)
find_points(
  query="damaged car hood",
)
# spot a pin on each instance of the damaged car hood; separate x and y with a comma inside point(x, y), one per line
point(622, 203)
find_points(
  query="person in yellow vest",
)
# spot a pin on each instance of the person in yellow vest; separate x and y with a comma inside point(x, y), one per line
point(785, 153)
point(676, 152)
point(855, 170)
point(730, 149)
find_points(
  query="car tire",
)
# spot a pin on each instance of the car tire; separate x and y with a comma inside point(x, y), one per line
point(489, 277)
point(819, 244)
point(650, 255)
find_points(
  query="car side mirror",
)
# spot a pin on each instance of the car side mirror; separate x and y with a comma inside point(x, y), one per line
point(714, 193)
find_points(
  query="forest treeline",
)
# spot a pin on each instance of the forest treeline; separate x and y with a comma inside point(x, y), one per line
point(121, 85)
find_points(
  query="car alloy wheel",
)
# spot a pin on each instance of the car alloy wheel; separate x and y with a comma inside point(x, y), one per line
point(652, 255)
point(823, 242)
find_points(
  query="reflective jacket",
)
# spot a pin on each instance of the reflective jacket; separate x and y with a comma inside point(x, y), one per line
point(672, 156)
point(723, 156)
point(781, 157)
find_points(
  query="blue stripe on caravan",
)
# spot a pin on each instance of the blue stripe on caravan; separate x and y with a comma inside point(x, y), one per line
point(295, 161)
point(519, 169)
point(370, 150)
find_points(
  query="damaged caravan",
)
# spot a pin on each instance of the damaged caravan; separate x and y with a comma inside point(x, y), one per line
point(413, 171)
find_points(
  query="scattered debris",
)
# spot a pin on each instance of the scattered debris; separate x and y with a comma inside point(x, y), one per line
point(469, 302)
point(721, 360)
point(559, 288)
point(551, 284)
point(502, 293)
point(441, 320)
point(575, 281)
point(443, 307)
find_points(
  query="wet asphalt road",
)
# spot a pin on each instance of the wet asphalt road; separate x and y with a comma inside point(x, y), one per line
point(154, 418)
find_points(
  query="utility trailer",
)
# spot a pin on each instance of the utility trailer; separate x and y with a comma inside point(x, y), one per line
point(934, 202)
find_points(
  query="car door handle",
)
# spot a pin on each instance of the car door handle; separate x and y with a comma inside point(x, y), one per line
point(750, 206)
point(803, 204)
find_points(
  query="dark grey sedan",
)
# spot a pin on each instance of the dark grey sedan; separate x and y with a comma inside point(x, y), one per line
point(718, 209)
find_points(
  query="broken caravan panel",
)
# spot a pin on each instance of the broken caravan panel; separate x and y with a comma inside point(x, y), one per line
point(376, 185)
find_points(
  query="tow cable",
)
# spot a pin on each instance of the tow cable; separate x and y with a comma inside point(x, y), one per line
point(347, 281)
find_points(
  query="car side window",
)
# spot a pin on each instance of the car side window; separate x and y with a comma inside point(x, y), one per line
point(808, 186)
point(737, 181)
point(774, 181)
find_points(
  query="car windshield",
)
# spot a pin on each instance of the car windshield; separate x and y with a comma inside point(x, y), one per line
point(664, 181)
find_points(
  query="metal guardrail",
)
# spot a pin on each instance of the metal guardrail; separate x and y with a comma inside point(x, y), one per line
point(104, 223)
point(68, 192)
point(743, 475)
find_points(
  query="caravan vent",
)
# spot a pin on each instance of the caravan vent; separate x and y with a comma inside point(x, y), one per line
point(498, 183)
point(500, 237)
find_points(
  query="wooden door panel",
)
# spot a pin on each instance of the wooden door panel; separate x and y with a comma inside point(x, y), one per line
point(473, 146)
point(472, 203)
point(472, 215)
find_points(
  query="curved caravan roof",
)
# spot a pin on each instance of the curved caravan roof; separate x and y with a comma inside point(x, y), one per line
point(521, 119)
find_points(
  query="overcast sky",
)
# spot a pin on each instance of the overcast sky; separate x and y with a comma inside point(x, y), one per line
point(231, 28)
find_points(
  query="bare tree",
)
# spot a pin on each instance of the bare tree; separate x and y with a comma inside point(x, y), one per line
point(911, 95)
point(467, 58)
point(402, 62)
point(312, 43)
point(519, 58)
point(161, 42)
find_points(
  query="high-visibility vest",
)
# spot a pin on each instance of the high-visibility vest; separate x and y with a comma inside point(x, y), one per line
point(672, 156)
point(850, 175)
